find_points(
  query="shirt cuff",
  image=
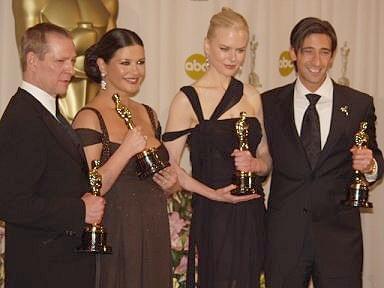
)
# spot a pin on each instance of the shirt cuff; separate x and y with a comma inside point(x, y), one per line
point(372, 176)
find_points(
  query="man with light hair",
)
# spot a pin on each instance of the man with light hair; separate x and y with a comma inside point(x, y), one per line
point(43, 181)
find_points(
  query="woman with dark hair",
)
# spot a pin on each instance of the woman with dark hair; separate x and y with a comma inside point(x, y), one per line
point(135, 213)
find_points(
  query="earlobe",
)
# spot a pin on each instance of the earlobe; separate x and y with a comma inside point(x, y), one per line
point(31, 59)
point(332, 59)
point(100, 62)
point(292, 54)
point(206, 47)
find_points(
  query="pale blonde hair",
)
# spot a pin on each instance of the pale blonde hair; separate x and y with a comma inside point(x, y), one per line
point(227, 18)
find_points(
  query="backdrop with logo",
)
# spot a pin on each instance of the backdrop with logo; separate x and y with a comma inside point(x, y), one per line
point(173, 33)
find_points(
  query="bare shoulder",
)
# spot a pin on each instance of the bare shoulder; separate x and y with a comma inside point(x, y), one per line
point(180, 99)
point(87, 118)
point(180, 105)
point(181, 115)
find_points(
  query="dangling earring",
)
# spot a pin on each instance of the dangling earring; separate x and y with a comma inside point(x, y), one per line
point(206, 64)
point(103, 83)
point(240, 70)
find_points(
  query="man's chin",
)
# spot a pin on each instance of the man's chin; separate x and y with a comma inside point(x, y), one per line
point(62, 92)
point(61, 95)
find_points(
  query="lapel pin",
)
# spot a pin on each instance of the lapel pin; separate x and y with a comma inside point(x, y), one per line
point(344, 109)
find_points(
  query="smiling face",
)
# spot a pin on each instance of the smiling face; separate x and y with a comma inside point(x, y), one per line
point(226, 50)
point(125, 71)
point(53, 70)
point(313, 60)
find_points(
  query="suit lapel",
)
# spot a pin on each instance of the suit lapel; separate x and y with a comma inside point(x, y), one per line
point(287, 122)
point(62, 137)
point(73, 137)
point(339, 122)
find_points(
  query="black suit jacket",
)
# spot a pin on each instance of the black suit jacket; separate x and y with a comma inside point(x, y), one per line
point(42, 178)
point(300, 196)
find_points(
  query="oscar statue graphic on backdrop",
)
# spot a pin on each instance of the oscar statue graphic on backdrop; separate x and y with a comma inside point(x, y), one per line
point(87, 21)
point(253, 78)
point(359, 189)
point(344, 51)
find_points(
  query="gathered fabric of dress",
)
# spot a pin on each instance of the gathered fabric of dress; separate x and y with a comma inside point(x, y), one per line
point(136, 221)
point(228, 239)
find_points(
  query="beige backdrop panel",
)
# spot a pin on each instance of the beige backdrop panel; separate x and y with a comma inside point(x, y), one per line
point(173, 30)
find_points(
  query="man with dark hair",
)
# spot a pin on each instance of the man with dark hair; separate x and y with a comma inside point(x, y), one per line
point(310, 126)
point(44, 173)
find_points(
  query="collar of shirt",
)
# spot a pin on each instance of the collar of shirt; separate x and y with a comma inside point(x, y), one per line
point(47, 100)
point(323, 106)
point(325, 91)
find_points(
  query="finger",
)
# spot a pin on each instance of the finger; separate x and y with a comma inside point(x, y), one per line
point(237, 153)
point(164, 172)
point(158, 180)
point(246, 197)
point(227, 189)
point(137, 128)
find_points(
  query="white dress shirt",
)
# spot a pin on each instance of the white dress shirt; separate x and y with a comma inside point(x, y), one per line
point(47, 100)
point(324, 108)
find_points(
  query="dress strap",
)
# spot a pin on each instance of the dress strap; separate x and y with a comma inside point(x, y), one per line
point(155, 122)
point(192, 96)
point(170, 136)
point(230, 98)
point(106, 150)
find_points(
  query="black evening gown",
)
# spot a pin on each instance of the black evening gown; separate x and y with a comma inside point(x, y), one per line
point(136, 220)
point(228, 239)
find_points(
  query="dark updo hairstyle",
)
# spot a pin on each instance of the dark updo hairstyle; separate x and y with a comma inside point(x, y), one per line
point(107, 46)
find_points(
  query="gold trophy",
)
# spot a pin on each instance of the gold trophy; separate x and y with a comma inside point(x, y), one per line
point(94, 238)
point(148, 161)
point(358, 190)
point(245, 181)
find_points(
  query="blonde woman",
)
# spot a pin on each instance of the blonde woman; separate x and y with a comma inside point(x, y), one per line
point(228, 238)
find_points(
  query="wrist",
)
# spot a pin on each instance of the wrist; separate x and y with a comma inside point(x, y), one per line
point(259, 167)
point(373, 167)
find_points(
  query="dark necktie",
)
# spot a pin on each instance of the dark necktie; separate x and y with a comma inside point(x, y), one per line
point(310, 130)
point(64, 123)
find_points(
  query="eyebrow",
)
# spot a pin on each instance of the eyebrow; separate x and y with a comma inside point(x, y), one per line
point(130, 59)
point(310, 47)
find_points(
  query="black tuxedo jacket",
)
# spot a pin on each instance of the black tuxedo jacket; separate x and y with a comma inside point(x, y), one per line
point(300, 196)
point(42, 178)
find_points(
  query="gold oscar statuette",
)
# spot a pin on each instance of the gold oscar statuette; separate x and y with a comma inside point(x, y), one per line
point(245, 181)
point(358, 190)
point(148, 162)
point(94, 238)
